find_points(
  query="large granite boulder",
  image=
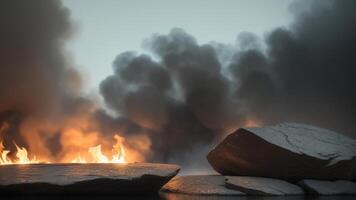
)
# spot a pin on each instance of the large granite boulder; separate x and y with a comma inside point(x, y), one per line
point(200, 185)
point(135, 178)
point(262, 186)
point(318, 187)
point(286, 151)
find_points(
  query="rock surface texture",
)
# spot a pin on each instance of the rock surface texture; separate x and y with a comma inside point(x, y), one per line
point(136, 178)
point(262, 186)
point(199, 185)
point(318, 187)
point(286, 151)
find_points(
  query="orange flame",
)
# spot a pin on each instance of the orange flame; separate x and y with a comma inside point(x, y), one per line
point(98, 157)
point(95, 155)
point(21, 155)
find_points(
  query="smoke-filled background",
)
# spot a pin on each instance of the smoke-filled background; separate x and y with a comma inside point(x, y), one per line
point(174, 103)
point(38, 85)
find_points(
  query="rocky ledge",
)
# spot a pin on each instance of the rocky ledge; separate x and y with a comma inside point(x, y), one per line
point(262, 186)
point(317, 187)
point(286, 151)
point(232, 186)
point(135, 178)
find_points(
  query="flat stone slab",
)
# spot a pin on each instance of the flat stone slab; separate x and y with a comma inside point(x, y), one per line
point(262, 186)
point(287, 151)
point(199, 185)
point(135, 178)
point(340, 187)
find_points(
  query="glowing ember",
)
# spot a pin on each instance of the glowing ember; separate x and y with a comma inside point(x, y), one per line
point(252, 123)
point(94, 155)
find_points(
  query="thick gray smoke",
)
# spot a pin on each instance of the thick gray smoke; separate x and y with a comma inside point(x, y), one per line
point(307, 73)
point(34, 74)
point(186, 94)
point(38, 85)
point(183, 95)
point(181, 100)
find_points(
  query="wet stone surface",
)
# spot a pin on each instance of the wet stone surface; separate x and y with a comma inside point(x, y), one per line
point(135, 178)
point(200, 185)
point(318, 187)
point(262, 186)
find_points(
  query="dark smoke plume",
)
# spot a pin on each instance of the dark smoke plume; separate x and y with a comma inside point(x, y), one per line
point(42, 106)
point(181, 100)
point(34, 72)
point(307, 73)
point(186, 93)
point(183, 95)
point(38, 84)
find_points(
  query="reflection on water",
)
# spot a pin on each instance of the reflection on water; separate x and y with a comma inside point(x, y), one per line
point(172, 196)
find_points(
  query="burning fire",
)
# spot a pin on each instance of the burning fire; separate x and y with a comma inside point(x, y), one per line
point(93, 155)
point(21, 156)
point(118, 154)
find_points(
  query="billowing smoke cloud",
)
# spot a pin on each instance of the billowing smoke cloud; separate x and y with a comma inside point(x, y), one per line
point(40, 100)
point(41, 104)
point(180, 99)
point(171, 104)
point(36, 79)
point(307, 72)
point(186, 94)
point(34, 73)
